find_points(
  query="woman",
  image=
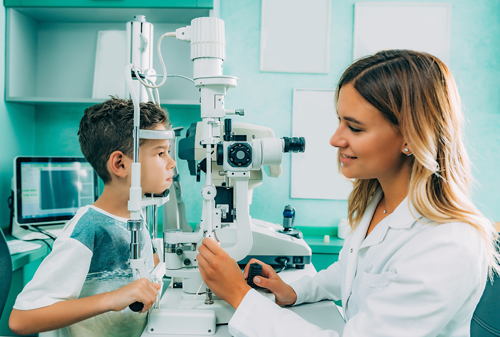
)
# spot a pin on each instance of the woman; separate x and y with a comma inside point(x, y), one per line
point(417, 258)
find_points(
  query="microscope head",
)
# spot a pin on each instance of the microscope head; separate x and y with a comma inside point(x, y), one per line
point(191, 150)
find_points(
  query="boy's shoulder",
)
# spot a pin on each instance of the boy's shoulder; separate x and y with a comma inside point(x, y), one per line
point(89, 222)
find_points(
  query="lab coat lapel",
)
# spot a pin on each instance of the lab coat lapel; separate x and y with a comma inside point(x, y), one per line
point(404, 216)
point(378, 234)
point(401, 218)
point(357, 238)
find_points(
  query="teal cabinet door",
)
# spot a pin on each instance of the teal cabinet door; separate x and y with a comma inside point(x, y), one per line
point(20, 278)
point(323, 261)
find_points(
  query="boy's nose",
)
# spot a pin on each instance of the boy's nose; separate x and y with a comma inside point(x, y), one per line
point(171, 164)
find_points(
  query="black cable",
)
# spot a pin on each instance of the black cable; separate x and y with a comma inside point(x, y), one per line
point(44, 232)
point(31, 240)
point(36, 230)
point(284, 263)
point(10, 203)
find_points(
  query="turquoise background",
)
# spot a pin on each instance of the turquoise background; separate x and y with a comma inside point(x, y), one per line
point(267, 100)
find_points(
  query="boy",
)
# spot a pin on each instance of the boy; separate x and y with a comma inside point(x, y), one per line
point(84, 287)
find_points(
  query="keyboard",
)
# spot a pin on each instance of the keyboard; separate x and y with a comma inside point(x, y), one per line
point(19, 246)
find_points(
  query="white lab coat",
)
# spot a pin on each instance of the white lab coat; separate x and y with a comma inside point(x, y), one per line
point(407, 278)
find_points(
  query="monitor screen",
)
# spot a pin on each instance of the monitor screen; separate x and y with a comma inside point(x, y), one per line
point(50, 189)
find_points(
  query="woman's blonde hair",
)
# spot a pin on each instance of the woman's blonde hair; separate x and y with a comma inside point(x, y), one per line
point(417, 94)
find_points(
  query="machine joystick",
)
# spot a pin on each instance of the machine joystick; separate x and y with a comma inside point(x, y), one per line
point(255, 270)
point(136, 306)
point(288, 220)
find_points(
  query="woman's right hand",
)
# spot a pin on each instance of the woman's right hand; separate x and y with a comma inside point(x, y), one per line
point(285, 295)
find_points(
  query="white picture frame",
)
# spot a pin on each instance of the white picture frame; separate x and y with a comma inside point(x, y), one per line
point(295, 36)
point(314, 173)
point(110, 61)
point(421, 26)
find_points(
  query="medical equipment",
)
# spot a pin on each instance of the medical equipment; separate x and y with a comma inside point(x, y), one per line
point(47, 192)
point(269, 245)
point(174, 214)
point(225, 214)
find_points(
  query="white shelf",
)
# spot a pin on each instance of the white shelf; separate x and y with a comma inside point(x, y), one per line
point(117, 15)
point(69, 100)
point(51, 53)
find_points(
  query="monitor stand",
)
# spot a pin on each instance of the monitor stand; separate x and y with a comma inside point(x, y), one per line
point(23, 234)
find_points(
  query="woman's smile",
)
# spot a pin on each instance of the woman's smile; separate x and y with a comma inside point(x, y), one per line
point(344, 159)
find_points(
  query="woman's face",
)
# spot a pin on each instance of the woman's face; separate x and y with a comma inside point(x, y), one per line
point(369, 146)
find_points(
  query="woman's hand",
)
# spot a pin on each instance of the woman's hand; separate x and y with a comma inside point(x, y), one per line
point(141, 290)
point(221, 273)
point(285, 295)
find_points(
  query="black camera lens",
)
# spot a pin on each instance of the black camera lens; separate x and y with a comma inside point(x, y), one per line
point(294, 144)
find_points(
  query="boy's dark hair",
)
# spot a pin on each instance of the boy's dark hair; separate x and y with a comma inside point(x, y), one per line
point(107, 127)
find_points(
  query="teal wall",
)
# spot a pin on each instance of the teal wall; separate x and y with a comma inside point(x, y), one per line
point(17, 132)
point(267, 97)
point(267, 100)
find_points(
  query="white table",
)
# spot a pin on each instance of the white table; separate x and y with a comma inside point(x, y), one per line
point(324, 314)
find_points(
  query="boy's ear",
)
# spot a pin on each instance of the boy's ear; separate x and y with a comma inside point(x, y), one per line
point(118, 164)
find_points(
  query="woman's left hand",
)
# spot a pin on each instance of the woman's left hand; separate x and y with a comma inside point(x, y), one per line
point(221, 273)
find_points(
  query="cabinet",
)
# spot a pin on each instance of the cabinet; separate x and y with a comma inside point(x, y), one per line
point(51, 50)
point(324, 253)
point(24, 266)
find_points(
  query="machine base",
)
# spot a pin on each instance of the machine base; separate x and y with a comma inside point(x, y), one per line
point(180, 321)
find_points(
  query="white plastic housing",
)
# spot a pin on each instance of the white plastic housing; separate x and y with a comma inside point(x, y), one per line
point(140, 43)
point(208, 38)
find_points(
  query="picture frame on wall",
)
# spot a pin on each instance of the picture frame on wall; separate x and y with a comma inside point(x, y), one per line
point(424, 27)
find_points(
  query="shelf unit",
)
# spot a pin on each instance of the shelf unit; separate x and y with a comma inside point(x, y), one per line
point(200, 4)
point(51, 51)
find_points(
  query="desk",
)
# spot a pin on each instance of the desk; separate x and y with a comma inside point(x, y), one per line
point(323, 314)
point(24, 266)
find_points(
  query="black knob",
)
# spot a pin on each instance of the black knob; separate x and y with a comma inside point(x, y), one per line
point(136, 306)
point(255, 270)
point(220, 154)
point(228, 130)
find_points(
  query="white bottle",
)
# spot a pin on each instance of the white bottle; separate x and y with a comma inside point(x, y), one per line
point(343, 229)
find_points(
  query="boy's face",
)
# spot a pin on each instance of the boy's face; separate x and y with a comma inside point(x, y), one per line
point(156, 164)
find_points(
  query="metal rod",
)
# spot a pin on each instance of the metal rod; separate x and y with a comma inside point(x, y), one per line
point(136, 143)
point(135, 249)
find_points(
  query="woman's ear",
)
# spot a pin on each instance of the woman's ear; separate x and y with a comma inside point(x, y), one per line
point(118, 164)
point(406, 150)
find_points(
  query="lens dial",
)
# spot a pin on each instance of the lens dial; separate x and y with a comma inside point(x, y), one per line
point(240, 155)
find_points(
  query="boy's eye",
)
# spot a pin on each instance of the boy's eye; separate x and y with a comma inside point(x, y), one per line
point(161, 154)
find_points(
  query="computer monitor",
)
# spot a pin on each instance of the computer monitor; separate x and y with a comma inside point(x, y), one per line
point(48, 191)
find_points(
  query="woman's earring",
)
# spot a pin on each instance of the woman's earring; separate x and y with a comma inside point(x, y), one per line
point(408, 154)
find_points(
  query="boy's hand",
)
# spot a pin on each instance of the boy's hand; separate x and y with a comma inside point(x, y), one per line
point(285, 295)
point(221, 273)
point(140, 290)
